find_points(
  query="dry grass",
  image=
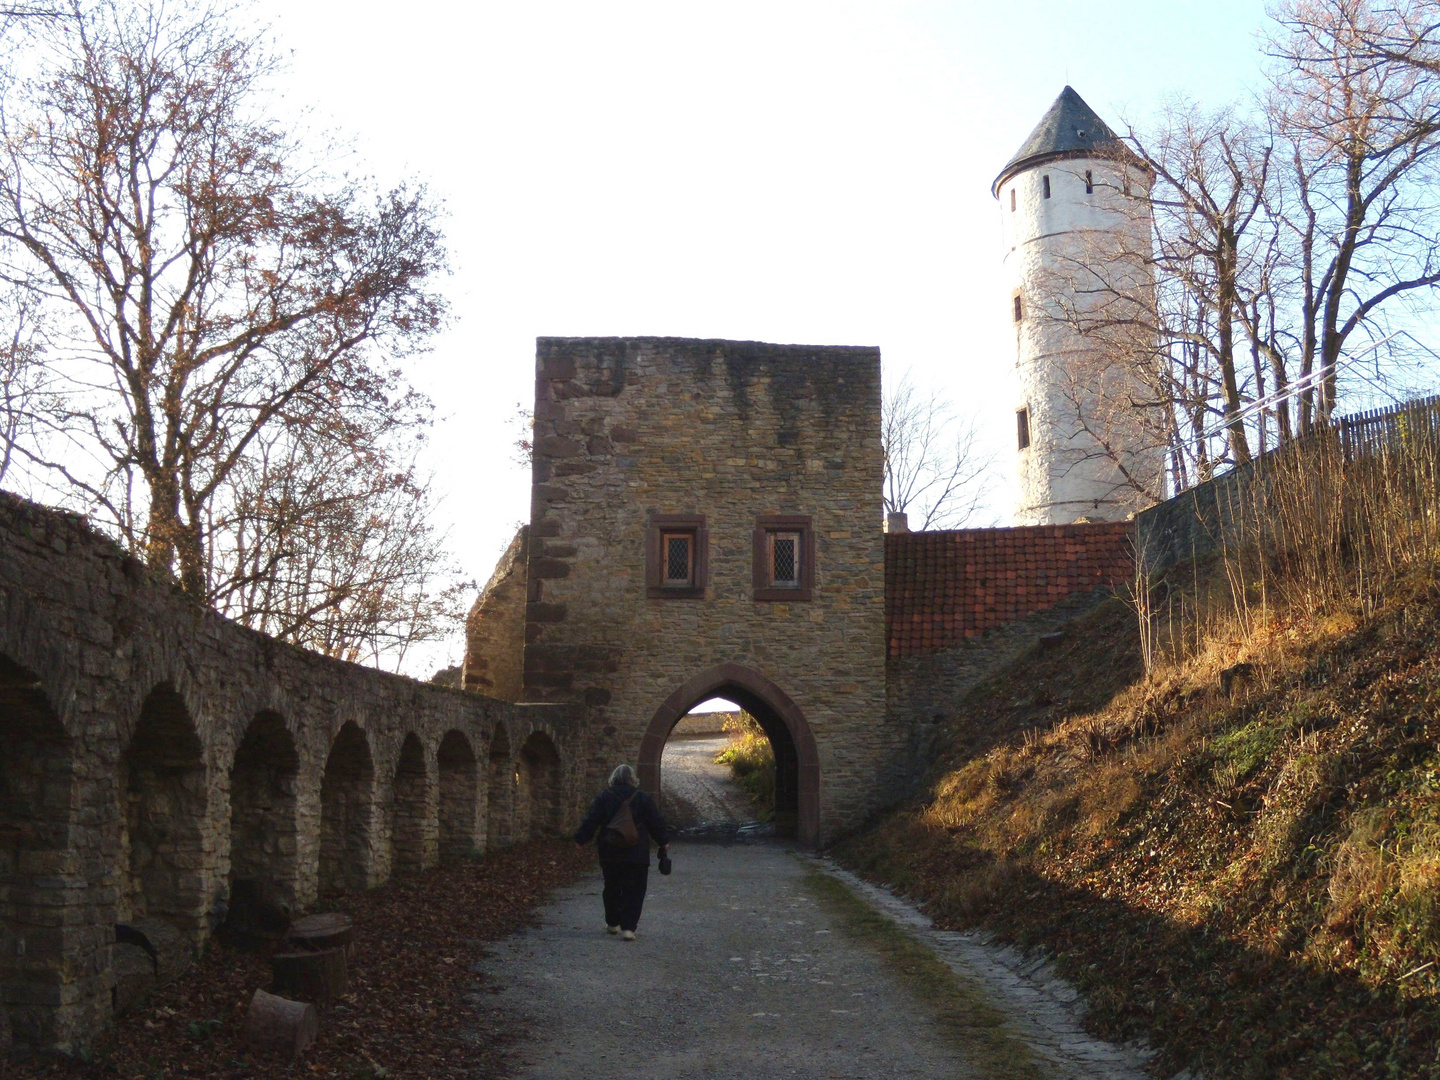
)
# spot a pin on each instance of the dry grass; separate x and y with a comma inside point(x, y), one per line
point(1253, 880)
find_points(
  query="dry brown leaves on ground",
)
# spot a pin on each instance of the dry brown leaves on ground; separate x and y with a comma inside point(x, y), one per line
point(416, 1008)
point(1250, 881)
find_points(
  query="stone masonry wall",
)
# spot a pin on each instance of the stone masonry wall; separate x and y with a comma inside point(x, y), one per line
point(630, 428)
point(152, 752)
point(924, 689)
point(495, 628)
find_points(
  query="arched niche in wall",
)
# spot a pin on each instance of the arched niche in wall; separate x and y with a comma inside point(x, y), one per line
point(537, 788)
point(166, 866)
point(347, 793)
point(263, 824)
point(459, 783)
point(37, 795)
point(500, 804)
point(412, 810)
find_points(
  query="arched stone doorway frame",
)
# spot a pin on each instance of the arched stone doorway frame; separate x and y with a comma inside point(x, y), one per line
point(742, 682)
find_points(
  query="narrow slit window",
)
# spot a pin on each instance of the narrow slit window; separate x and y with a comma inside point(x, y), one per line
point(1012, 198)
point(1089, 183)
point(1019, 312)
point(1022, 427)
point(679, 567)
point(785, 560)
point(1045, 186)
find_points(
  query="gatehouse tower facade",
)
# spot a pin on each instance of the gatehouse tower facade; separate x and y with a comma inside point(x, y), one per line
point(1077, 236)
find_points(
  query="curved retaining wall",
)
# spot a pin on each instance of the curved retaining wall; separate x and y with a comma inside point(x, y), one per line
point(153, 754)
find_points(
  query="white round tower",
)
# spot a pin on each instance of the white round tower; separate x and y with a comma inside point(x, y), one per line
point(1077, 238)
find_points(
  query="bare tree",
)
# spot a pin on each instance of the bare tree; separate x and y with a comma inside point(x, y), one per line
point(327, 543)
point(1280, 234)
point(21, 373)
point(1364, 132)
point(1184, 328)
point(934, 468)
point(213, 304)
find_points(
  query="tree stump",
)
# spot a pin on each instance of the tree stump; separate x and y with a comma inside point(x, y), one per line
point(319, 977)
point(330, 930)
point(278, 1026)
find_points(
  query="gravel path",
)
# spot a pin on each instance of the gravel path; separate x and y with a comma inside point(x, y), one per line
point(736, 973)
point(694, 789)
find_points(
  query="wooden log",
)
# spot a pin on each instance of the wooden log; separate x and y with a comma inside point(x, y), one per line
point(278, 1026)
point(319, 977)
point(330, 930)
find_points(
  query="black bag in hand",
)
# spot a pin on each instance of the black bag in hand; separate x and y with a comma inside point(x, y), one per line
point(665, 863)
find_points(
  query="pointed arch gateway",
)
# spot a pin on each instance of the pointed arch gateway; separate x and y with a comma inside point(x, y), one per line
point(797, 761)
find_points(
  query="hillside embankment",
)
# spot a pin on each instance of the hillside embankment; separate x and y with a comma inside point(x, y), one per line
point(1248, 876)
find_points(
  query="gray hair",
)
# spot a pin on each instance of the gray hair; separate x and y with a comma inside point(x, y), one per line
point(624, 774)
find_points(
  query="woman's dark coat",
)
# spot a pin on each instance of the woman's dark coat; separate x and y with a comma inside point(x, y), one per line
point(648, 822)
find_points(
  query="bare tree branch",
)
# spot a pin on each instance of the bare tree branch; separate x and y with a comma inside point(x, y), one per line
point(934, 469)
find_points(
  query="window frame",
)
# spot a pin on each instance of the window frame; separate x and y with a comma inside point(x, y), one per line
point(1045, 185)
point(657, 529)
point(1022, 427)
point(767, 526)
point(1017, 308)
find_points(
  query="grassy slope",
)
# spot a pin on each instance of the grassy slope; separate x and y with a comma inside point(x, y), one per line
point(1250, 882)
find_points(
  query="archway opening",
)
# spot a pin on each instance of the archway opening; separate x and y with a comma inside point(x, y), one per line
point(797, 766)
point(165, 867)
point(412, 810)
point(718, 772)
point(37, 782)
point(459, 778)
point(263, 826)
point(499, 817)
point(537, 788)
point(346, 799)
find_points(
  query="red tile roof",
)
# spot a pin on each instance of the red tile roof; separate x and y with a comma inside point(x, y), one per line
point(943, 587)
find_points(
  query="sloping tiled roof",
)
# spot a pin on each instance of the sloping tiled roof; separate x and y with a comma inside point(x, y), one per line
point(943, 587)
point(1069, 128)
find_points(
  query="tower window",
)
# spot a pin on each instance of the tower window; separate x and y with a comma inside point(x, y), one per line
point(1012, 199)
point(1089, 183)
point(784, 558)
point(1022, 427)
point(1045, 185)
point(1019, 311)
point(676, 556)
point(679, 568)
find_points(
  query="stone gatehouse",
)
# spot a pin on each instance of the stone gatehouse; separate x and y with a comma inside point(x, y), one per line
point(704, 522)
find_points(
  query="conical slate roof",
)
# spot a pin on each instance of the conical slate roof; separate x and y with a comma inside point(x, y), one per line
point(1070, 128)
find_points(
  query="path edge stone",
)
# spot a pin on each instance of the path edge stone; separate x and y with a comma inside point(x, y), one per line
point(1046, 1011)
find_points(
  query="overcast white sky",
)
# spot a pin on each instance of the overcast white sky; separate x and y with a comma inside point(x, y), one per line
point(787, 172)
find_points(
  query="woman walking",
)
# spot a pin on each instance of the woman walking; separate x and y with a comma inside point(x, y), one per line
point(626, 819)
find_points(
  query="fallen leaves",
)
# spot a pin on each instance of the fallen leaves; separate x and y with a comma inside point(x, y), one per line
point(416, 1008)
